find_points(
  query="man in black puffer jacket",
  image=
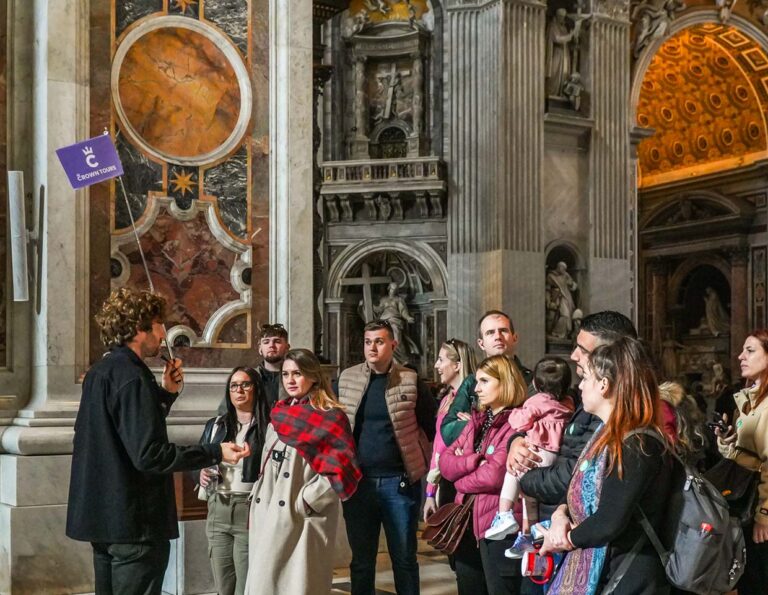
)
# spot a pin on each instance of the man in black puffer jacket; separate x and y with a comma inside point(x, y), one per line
point(549, 484)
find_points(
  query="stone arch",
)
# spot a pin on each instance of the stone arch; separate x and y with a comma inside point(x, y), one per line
point(699, 17)
point(686, 267)
point(579, 262)
point(353, 255)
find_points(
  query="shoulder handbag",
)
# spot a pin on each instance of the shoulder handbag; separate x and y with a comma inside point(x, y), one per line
point(738, 485)
point(447, 525)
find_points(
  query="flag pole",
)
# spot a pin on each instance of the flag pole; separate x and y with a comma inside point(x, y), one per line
point(143, 258)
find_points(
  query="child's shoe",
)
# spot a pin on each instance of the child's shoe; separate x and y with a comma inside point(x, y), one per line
point(523, 543)
point(503, 524)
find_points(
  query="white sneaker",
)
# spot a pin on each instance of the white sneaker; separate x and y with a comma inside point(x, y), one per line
point(503, 524)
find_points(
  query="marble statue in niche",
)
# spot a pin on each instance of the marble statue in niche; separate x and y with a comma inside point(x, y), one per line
point(561, 304)
point(717, 320)
point(562, 57)
point(393, 309)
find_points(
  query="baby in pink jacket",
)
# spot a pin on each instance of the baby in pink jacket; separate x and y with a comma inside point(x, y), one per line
point(542, 418)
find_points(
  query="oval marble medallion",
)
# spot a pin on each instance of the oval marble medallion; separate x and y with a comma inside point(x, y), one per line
point(181, 90)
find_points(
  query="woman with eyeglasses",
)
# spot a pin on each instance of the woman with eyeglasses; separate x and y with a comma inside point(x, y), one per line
point(455, 361)
point(226, 487)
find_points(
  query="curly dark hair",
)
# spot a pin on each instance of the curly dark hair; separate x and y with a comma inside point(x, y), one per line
point(126, 313)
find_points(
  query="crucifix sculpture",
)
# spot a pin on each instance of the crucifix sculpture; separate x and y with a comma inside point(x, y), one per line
point(367, 282)
point(393, 79)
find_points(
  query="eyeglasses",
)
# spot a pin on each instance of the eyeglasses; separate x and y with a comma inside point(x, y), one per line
point(238, 386)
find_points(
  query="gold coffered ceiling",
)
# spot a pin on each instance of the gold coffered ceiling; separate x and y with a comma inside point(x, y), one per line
point(705, 94)
point(380, 11)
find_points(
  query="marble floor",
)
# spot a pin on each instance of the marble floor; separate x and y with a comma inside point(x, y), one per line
point(436, 577)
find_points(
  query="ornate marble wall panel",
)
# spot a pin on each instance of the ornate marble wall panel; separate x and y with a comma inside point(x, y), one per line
point(188, 104)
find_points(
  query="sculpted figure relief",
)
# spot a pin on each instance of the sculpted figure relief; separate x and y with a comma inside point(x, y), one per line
point(652, 21)
point(718, 321)
point(559, 281)
point(394, 310)
point(377, 6)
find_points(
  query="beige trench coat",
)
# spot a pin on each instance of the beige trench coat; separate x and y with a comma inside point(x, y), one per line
point(291, 548)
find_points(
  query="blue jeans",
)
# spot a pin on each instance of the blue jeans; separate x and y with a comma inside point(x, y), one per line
point(378, 502)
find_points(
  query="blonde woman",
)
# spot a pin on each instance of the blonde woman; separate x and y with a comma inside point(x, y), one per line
point(455, 361)
point(308, 466)
point(476, 463)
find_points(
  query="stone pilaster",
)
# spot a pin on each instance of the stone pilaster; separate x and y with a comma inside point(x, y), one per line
point(291, 167)
point(611, 192)
point(739, 302)
point(494, 147)
point(658, 305)
point(359, 140)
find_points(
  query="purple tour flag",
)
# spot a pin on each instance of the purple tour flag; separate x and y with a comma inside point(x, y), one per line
point(90, 161)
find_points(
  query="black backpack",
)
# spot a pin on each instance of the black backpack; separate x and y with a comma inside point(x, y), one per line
point(704, 551)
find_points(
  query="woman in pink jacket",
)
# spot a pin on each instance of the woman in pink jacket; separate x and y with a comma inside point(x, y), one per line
point(475, 463)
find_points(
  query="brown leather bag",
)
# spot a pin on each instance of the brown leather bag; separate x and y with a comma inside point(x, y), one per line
point(447, 525)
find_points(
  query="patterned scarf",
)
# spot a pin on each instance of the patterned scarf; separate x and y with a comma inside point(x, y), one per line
point(480, 436)
point(323, 439)
point(581, 570)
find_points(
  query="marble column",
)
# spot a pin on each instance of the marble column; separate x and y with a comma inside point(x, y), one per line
point(291, 167)
point(494, 147)
point(739, 303)
point(658, 305)
point(48, 48)
point(611, 179)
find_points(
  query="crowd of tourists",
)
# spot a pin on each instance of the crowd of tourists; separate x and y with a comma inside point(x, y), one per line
point(529, 483)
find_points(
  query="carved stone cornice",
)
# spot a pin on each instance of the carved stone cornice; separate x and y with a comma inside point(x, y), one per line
point(323, 10)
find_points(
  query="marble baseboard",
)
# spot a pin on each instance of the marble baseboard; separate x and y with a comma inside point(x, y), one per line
point(34, 481)
point(36, 558)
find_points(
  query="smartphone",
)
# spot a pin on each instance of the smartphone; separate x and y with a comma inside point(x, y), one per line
point(717, 423)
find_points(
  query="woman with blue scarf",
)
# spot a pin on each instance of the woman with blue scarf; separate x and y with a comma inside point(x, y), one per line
point(618, 472)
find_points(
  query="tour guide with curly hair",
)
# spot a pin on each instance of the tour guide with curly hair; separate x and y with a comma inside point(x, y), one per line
point(121, 496)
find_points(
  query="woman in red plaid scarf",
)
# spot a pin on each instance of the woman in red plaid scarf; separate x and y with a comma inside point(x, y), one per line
point(308, 467)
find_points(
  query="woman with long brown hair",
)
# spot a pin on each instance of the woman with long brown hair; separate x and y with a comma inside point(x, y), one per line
point(308, 466)
point(748, 446)
point(619, 471)
point(226, 487)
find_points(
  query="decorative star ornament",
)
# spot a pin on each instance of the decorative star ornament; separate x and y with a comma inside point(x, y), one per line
point(182, 182)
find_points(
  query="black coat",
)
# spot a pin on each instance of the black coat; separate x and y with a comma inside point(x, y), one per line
point(121, 487)
point(550, 484)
